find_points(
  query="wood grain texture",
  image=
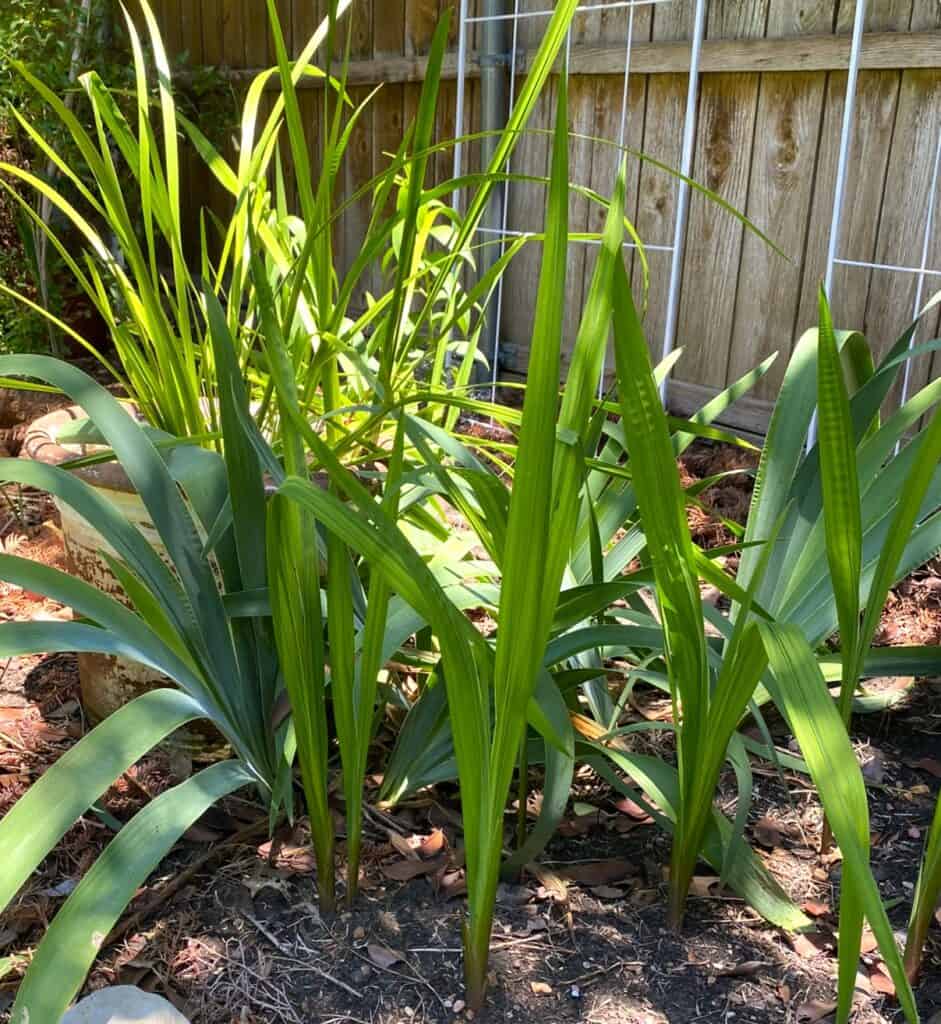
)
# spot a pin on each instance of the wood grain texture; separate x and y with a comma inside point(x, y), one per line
point(891, 301)
point(812, 17)
point(876, 104)
point(714, 238)
point(767, 138)
point(926, 15)
point(171, 27)
point(357, 164)
point(526, 211)
point(657, 191)
point(902, 50)
point(893, 15)
point(749, 416)
point(612, 28)
point(782, 178)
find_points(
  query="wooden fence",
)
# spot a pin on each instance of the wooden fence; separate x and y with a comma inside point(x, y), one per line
point(771, 104)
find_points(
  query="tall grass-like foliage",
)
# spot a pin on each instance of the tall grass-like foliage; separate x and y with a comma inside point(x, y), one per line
point(149, 312)
point(927, 893)
point(706, 711)
point(490, 689)
point(860, 603)
point(182, 623)
point(388, 368)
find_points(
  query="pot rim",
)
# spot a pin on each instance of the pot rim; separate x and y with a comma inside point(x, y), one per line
point(41, 444)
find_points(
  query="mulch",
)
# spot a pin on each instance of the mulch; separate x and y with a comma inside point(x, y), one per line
point(229, 929)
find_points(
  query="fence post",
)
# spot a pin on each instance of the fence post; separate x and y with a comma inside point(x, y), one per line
point(682, 197)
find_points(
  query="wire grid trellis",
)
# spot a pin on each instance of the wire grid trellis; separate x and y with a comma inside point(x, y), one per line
point(834, 259)
point(676, 247)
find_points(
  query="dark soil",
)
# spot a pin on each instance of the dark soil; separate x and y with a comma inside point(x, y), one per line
point(229, 928)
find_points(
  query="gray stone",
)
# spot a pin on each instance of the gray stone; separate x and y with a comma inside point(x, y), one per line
point(123, 1004)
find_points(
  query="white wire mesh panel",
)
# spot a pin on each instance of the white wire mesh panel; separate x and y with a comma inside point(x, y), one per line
point(894, 266)
point(593, 118)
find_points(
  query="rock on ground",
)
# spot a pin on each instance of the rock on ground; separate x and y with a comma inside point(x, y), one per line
point(123, 1004)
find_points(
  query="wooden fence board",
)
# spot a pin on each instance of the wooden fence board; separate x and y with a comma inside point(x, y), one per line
point(771, 102)
point(728, 106)
point(714, 239)
point(782, 180)
point(656, 197)
point(526, 210)
point(901, 229)
point(876, 102)
point(894, 15)
point(926, 15)
point(612, 27)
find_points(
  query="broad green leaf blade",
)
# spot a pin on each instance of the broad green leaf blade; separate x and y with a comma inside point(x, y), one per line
point(151, 478)
point(670, 548)
point(78, 931)
point(840, 485)
point(69, 787)
point(121, 624)
point(746, 875)
point(559, 770)
point(800, 692)
point(294, 593)
point(926, 897)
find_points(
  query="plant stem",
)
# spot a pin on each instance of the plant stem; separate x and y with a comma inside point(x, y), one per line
point(354, 837)
point(680, 876)
point(477, 930)
point(326, 872)
point(914, 946)
point(522, 795)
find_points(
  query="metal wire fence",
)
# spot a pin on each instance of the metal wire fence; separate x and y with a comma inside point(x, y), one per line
point(673, 248)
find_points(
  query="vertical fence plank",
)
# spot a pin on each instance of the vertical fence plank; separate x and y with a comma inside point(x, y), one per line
point(581, 122)
point(728, 106)
point(526, 208)
point(214, 16)
point(388, 117)
point(779, 198)
point(605, 123)
point(784, 173)
point(420, 19)
point(901, 229)
point(306, 17)
point(876, 102)
point(876, 105)
point(657, 188)
point(358, 159)
point(881, 15)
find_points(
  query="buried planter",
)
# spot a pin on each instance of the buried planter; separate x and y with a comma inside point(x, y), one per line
point(107, 682)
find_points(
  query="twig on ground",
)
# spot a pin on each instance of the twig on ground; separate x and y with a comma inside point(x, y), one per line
point(178, 881)
point(284, 951)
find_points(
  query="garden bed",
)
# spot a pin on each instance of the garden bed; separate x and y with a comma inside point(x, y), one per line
point(229, 930)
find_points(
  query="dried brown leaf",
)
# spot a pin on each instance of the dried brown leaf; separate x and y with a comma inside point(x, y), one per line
point(384, 957)
point(814, 1010)
point(632, 809)
point(808, 946)
point(607, 892)
point(743, 970)
point(433, 844)
point(601, 872)
point(703, 886)
point(881, 983)
point(406, 870)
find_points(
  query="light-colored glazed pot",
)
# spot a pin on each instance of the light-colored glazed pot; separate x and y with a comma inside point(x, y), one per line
point(107, 682)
